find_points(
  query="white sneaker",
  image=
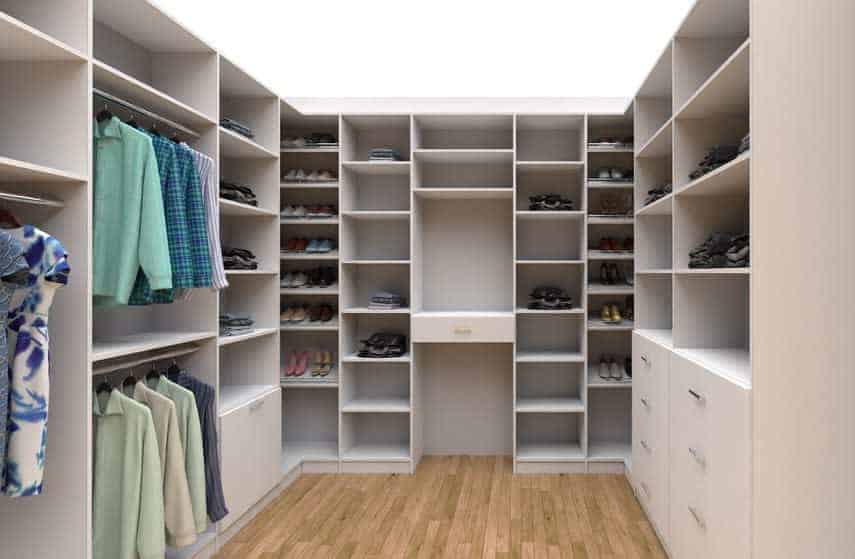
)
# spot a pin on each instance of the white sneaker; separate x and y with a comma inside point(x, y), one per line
point(325, 176)
point(286, 280)
point(300, 176)
point(287, 211)
point(313, 177)
point(617, 174)
point(299, 211)
point(604, 174)
point(290, 176)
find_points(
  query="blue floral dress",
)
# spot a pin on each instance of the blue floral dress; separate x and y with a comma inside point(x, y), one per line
point(11, 264)
point(28, 351)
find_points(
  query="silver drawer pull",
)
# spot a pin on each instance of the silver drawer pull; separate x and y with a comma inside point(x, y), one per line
point(644, 358)
point(695, 395)
point(463, 330)
point(698, 518)
point(644, 445)
point(256, 406)
point(697, 456)
point(645, 403)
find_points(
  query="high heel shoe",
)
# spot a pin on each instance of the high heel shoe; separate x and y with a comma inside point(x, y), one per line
point(302, 364)
point(292, 365)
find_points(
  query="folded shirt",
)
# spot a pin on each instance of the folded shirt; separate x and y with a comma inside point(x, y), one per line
point(236, 126)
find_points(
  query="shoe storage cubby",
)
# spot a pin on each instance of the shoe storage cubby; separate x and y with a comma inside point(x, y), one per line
point(609, 425)
point(310, 429)
point(550, 338)
point(368, 438)
point(378, 192)
point(654, 105)
point(655, 243)
point(146, 58)
point(556, 239)
point(359, 283)
point(474, 169)
point(256, 234)
point(464, 255)
point(568, 277)
point(312, 341)
point(654, 302)
point(463, 132)
point(567, 181)
point(550, 386)
point(550, 438)
point(356, 327)
point(696, 218)
point(248, 368)
point(369, 387)
point(550, 138)
point(360, 134)
point(251, 295)
point(371, 238)
point(651, 173)
point(695, 137)
point(607, 344)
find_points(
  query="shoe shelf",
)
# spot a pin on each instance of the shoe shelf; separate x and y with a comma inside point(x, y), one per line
point(617, 220)
point(609, 425)
point(609, 255)
point(355, 358)
point(660, 144)
point(309, 290)
point(309, 425)
point(232, 208)
point(550, 405)
point(612, 186)
point(549, 166)
point(330, 326)
point(574, 311)
point(367, 310)
point(308, 220)
point(605, 289)
point(594, 380)
point(549, 215)
point(378, 215)
point(309, 150)
point(332, 255)
point(597, 325)
point(330, 381)
point(308, 185)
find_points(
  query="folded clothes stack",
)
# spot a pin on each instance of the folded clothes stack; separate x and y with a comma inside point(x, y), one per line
point(316, 277)
point(550, 203)
point(314, 140)
point(238, 193)
point(384, 154)
point(386, 300)
point(235, 325)
point(383, 345)
point(720, 155)
point(657, 193)
point(721, 250)
point(549, 298)
point(235, 126)
point(239, 259)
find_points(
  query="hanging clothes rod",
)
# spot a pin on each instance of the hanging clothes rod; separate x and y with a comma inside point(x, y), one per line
point(31, 200)
point(110, 98)
point(151, 358)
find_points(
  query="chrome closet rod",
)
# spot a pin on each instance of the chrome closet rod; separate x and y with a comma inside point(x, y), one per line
point(110, 98)
point(31, 200)
point(113, 367)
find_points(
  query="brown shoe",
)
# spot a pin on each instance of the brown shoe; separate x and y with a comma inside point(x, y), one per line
point(326, 313)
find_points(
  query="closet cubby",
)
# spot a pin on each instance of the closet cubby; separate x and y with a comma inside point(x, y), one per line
point(465, 169)
point(311, 341)
point(655, 243)
point(247, 370)
point(695, 137)
point(356, 327)
point(369, 388)
point(359, 283)
point(567, 181)
point(607, 344)
point(550, 437)
point(599, 285)
point(608, 160)
point(654, 104)
point(251, 295)
point(256, 235)
point(375, 239)
point(696, 218)
point(297, 125)
point(654, 302)
point(609, 425)
point(463, 132)
point(711, 311)
point(244, 99)
point(550, 239)
point(321, 159)
point(360, 134)
point(310, 429)
point(43, 30)
point(260, 175)
point(375, 192)
point(650, 173)
point(550, 138)
point(464, 255)
point(614, 127)
point(290, 196)
point(569, 277)
point(550, 338)
point(374, 437)
point(550, 387)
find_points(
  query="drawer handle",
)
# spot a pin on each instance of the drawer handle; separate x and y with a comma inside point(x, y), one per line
point(645, 403)
point(256, 406)
point(697, 518)
point(644, 445)
point(463, 330)
point(644, 358)
point(696, 396)
point(697, 456)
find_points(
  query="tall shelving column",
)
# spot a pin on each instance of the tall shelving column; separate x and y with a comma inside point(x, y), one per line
point(310, 418)
point(550, 402)
point(45, 104)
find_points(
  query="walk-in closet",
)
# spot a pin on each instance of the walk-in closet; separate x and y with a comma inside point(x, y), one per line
point(241, 324)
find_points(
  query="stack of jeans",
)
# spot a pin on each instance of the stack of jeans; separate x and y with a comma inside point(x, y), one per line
point(386, 300)
point(384, 345)
point(233, 325)
point(236, 126)
point(549, 298)
point(384, 154)
point(238, 193)
point(716, 157)
point(721, 250)
point(657, 193)
point(239, 259)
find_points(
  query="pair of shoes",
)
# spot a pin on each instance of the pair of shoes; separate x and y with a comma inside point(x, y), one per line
point(297, 364)
point(299, 175)
point(294, 280)
point(300, 211)
point(316, 277)
point(383, 345)
point(550, 203)
point(319, 246)
point(549, 298)
point(610, 274)
point(323, 364)
point(295, 314)
point(609, 369)
point(610, 244)
point(610, 314)
point(614, 174)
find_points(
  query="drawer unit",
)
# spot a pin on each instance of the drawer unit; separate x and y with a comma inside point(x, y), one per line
point(457, 327)
point(710, 467)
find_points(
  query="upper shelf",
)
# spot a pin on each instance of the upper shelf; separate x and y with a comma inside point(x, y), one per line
point(22, 43)
point(659, 81)
point(713, 19)
point(12, 170)
point(236, 146)
point(234, 82)
point(450, 156)
point(147, 26)
point(726, 92)
point(146, 341)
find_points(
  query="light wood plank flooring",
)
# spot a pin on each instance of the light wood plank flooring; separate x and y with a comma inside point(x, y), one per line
point(453, 507)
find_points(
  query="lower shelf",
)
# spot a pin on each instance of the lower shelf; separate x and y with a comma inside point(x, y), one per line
point(233, 396)
point(549, 452)
point(609, 451)
point(295, 453)
point(550, 405)
point(377, 453)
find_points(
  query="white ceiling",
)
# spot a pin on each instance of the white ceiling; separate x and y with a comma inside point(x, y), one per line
point(440, 48)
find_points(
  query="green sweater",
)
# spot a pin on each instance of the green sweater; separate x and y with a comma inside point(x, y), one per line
point(128, 218)
point(127, 499)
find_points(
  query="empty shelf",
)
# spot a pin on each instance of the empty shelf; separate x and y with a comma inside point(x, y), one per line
point(662, 206)
point(233, 396)
point(726, 92)
point(452, 156)
point(22, 43)
point(378, 167)
point(661, 337)
point(550, 405)
point(229, 207)
point(550, 357)
point(332, 255)
point(390, 452)
point(555, 452)
point(733, 364)
point(295, 453)
point(377, 405)
point(377, 214)
point(660, 144)
point(259, 272)
point(147, 341)
point(12, 170)
point(308, 185)
point(236, 146)
point(464, 193)
point(609, 451)
point(550, 165)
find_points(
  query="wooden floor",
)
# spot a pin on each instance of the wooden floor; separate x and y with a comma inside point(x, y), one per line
point(453, 507)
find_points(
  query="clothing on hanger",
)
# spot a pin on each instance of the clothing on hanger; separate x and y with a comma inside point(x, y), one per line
point(12, 262)
point(127, 493)
point(206, 169)
point(27, 328)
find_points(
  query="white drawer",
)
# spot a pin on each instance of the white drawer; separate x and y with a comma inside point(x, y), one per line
point(456, 327)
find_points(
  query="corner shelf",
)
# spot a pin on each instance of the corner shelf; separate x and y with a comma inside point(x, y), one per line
point(13, 170)
point(234, 145)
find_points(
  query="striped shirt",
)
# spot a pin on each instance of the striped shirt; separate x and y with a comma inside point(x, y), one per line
point(207, 173)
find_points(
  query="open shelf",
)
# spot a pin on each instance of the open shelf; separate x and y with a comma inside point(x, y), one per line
point(549, 356)
point(553, 138)
point(236, 146)
point(360, 134)
point(654, 101)
point(609, 424)
point(654, 302)
point(363, 239)
point(464, 156)
point(372, 192)
point(139, 343)
point(233, 396)
point(23, 43)
point(550, 405)
point(550, 437)
point(331, 326)
point(229, 207)
point(695, 137)
point(12, 170)
point(731, 179)
point(463, 169)
point(696, 218)
point(549, 387)
point(550, 239)
point(368, 452)
point(726, 91)
point(654, 242)
point(309, 426)
point(375, 437)
point(295, 453)
point(359, 283)
point(461, 193)
point(733, 364)
point(463, 132)
point(570, 278)
point(256, 333)
point(566, 181)
point(378, 215)
point(594, 380)
point(376, 405)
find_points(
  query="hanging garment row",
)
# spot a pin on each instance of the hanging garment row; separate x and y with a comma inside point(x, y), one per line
point(156, 476)
point(156, 217)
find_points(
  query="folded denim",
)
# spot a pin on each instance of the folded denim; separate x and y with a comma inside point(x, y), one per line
point(242, 252)
point(236, 126)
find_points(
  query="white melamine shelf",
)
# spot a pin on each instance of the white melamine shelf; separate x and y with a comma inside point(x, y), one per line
point(332, 255)
point(594, 380)
point(354, 358)
point(528, 214)
point(366, 310)
point(524, 310)
point(309, 290)
point(662, 206)
point(608, 255)
point(330, 326)
point(378, 167)
point(600, 289)
point(230, 207)
point(310, 150)
point(139, 343)
point(259, 272)
point(550, 405)
point(118, 83)
point(724, 93)
point(458, 156)
point(731, 179)
point(377, 405)
point(550, 165)
point(596, 184)
point(329, 381)
point(257, 333)
point(308, 185)
point(293, 454)
point(597, 149)
point(12, 170)
point(377, 453)
point(233, 396)
point(655, 272)
point(713, 271)
point(309, 220)
point(550, 262)
point(660, 144)
point(234, 145)
point(733, 364)
point(550, 357)
point(609, 451)
point(559, 452)
point(660, 336)
point(599, 220)
point(464, 193)
point(465, 314)
point(376, 261)
point(377, 214)
point(597, 325)
point(22, 43)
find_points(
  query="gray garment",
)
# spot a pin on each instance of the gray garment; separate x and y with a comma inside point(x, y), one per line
point(206, 405)
point(12, 262)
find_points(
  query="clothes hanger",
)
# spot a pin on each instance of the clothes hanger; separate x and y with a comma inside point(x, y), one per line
point(130, 380)
point(153, 374)
point(132, 120)
point(173, 371)
point(104, 386)
point(105, 114)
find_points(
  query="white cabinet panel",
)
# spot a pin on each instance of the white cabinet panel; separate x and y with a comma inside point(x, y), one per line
point(464, 327)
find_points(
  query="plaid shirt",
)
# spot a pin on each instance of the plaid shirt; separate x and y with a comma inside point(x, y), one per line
point(185, 225)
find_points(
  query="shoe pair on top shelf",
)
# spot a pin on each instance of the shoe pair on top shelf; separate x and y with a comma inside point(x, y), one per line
point(313, 140)
point(722, 250)
point(297, 364)
point(718, 156)
point(611, 274)
point(299, 175)
point(314, 211)
point(549, 298)
point(297, 314)
point(610, 244)
point(316, 277)
point(610, 370)
point(550, 203)
point(314, 246)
